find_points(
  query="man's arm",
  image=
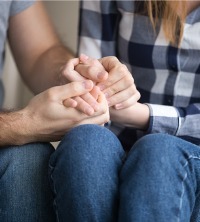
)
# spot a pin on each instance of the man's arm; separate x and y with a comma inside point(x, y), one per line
point(46, 119)
point(37, 50)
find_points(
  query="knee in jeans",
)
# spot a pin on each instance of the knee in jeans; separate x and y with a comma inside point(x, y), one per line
point(87, 141)
point(158, 146)
point(88, 136)
point(26, 158)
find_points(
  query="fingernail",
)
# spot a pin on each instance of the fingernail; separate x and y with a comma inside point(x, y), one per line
point(89, 111)
point(84, 56)
point(118, 106)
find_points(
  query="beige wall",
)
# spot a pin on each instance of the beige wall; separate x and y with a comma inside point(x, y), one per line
point(64, 15)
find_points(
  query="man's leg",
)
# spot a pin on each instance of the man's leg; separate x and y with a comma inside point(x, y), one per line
point(84, 173)
point(25, 194)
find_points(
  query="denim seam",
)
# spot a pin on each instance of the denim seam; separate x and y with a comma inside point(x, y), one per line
point(183, 191)
point(185, 177)
point(55, 193)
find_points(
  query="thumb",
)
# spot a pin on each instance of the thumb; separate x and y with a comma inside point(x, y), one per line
point(75, 89)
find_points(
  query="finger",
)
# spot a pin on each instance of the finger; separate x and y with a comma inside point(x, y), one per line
point(115, 75)
point(95, 92)
point(69, 71)
point(123, 96)
point(70, 103)
point(103, 101)
point(90, 100)
point(116, 71)
point(83, 106)
point(94, 73)
point(109, 62)
point(92, 69)
point(86, 60)
point(99, 120)
point(119, 86)
point(72, 89)
point(102, 116)
point(127, 103)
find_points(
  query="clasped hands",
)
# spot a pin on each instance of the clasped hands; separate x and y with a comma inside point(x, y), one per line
point(111, 81)
point(91, 90)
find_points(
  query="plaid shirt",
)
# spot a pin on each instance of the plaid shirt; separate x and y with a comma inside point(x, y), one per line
point(167, 77)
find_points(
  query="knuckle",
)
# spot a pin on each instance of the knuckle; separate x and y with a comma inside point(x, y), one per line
point(113, 58)
point(90, 69)
point(51, 94)
point(107, 118)
point(105, 109)
point(138, 95)
point(66, 73)
point(133, 90)
point(122, 69)
point(129, 80)
point(111, 91)
point(94, 62)
point(74, 87)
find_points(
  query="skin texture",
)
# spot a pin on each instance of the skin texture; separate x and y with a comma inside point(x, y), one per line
point(111, 76)
point(47, 68)
point(40, 61)
point(118, 87)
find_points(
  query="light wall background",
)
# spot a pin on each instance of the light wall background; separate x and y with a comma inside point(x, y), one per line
point(64, 15)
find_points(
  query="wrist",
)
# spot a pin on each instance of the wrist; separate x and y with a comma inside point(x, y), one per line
point(136, 116)
point(13, 128)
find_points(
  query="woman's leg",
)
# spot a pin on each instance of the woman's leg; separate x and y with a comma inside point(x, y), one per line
point(25, 194)
point(84, 174)
point(160, 181)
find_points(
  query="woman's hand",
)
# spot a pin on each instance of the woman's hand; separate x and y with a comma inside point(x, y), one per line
point(118, 86)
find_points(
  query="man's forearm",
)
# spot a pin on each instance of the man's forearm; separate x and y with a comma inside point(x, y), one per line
point(12, 128)
point(46, 71)
point(36, 47)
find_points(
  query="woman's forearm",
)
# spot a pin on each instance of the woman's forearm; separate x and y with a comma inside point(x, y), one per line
point(136, 116)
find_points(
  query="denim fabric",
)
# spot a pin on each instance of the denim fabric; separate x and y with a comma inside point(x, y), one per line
point(25, 194)
point(84, 174)
point(158, 181)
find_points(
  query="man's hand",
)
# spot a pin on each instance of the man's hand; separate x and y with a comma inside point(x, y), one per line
point(78, 70)
point(54, 119)
point(47, 119)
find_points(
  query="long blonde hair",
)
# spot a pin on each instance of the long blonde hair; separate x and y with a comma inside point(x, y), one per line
point(173, 14)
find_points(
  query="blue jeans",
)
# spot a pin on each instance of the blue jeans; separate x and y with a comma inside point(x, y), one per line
point(94, 180)
point(25, 194)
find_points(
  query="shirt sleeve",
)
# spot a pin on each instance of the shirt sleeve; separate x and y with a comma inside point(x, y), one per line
point(181, 122)
point(98, 24)
point(20, 5)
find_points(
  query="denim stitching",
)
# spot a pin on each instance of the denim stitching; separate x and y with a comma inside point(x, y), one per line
point(183, 191)
point(185, 177)
point(55, 193)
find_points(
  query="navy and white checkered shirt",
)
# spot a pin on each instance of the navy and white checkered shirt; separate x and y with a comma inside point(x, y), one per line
point(167, 77)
